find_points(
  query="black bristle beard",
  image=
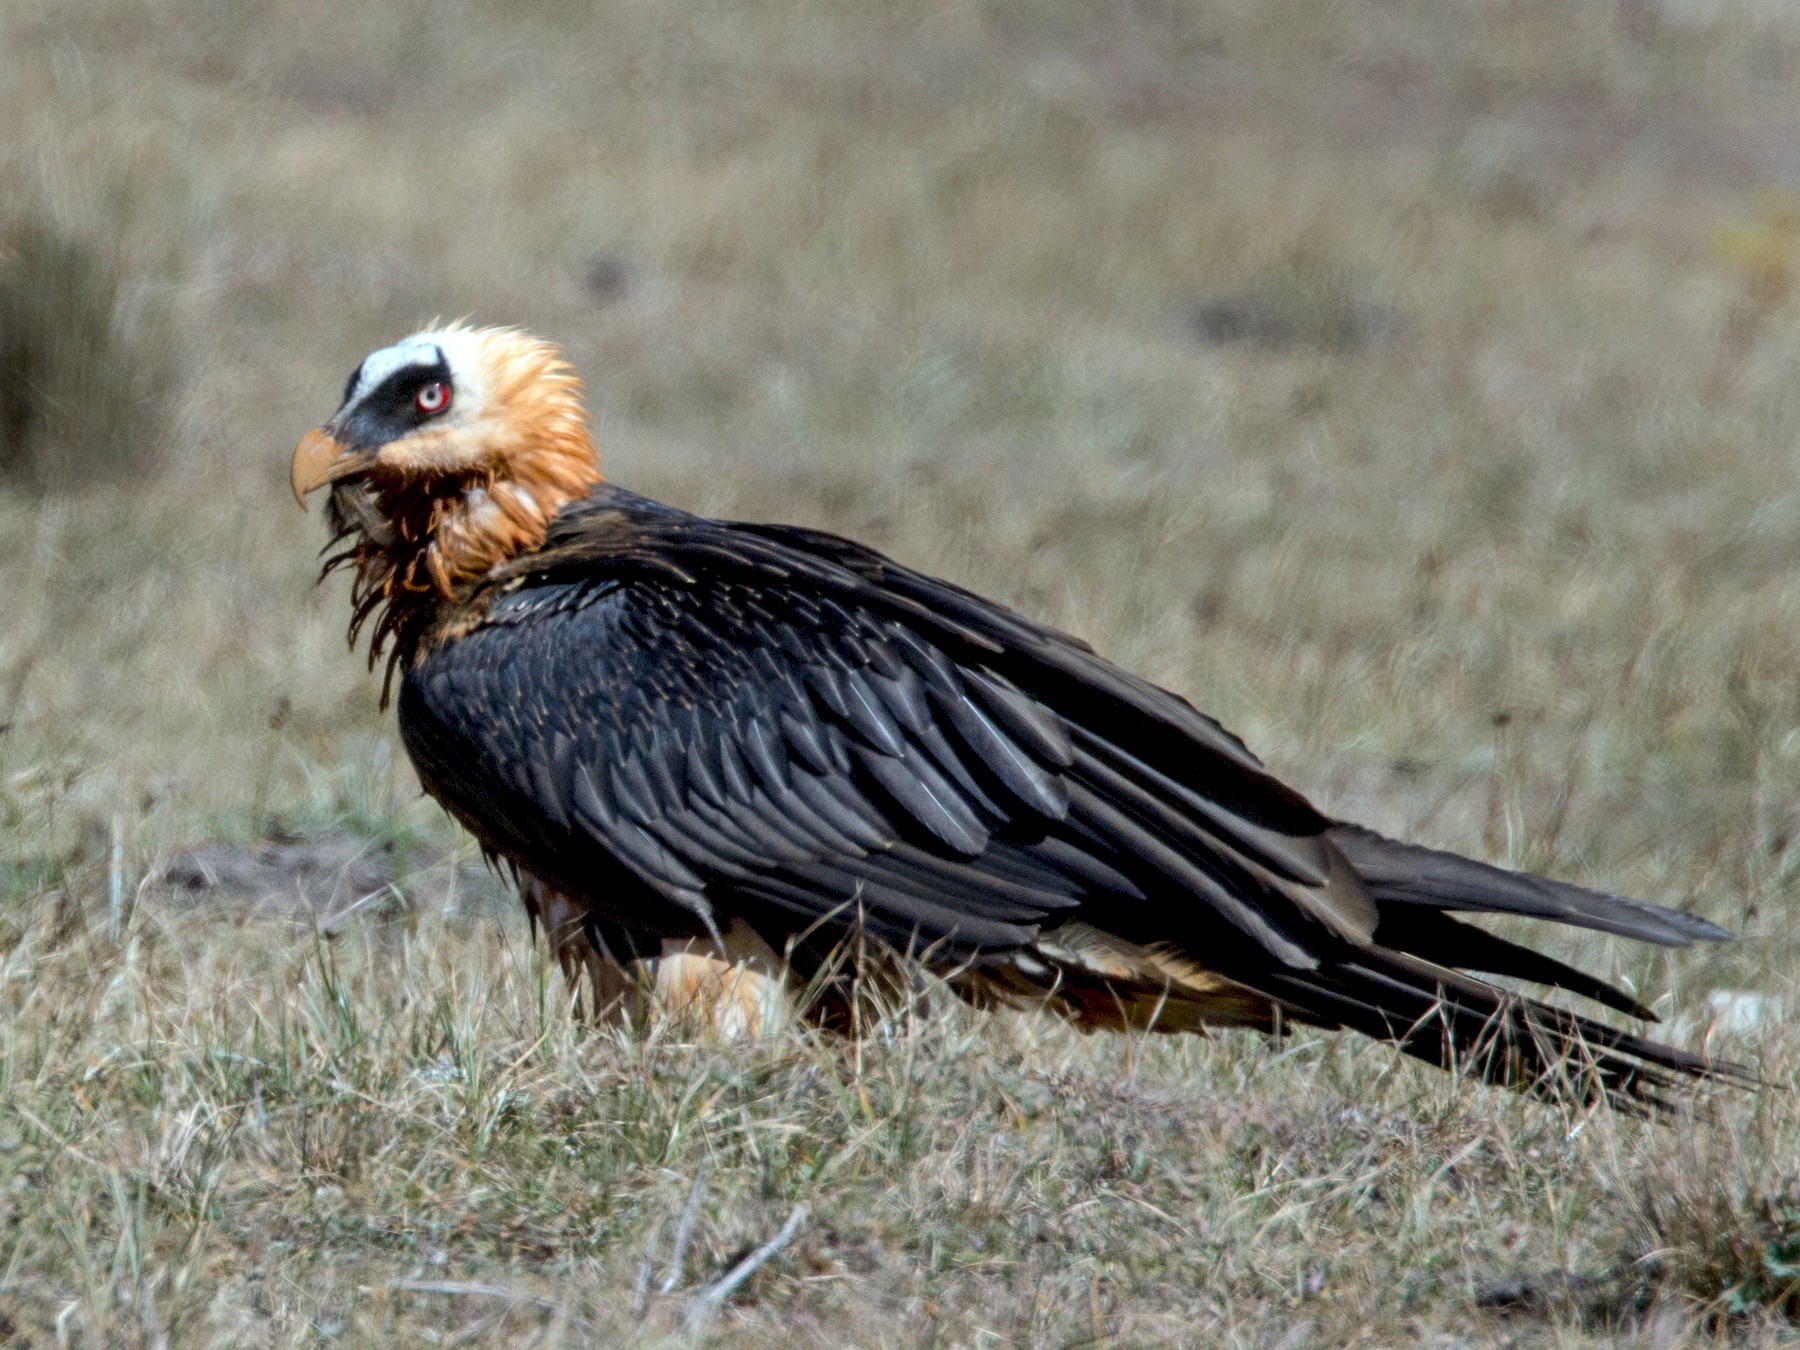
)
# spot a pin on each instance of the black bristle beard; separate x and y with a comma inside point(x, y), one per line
point(383, 543)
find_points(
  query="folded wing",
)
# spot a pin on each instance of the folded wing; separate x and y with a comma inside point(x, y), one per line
point(686, 722)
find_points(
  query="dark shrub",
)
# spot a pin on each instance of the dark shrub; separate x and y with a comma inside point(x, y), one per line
point(87, 368)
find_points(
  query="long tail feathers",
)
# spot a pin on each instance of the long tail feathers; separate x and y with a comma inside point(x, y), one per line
point(1406, 874)
point(1407, 987)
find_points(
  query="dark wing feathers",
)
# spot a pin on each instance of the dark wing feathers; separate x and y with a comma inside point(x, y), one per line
point(1444, 1018)
point(829, 772)
point(1438, 938)
point(684, 721)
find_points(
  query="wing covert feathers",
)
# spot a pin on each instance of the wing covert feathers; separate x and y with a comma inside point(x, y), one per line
point(696, 728)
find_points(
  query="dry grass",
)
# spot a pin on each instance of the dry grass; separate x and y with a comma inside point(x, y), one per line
point(1490, 534)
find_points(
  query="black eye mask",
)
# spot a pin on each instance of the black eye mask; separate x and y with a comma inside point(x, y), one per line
point(390, 410)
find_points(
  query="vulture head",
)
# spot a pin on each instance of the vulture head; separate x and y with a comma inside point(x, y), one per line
point(451, 453)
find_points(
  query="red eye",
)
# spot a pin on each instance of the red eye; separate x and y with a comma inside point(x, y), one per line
point(432, 398)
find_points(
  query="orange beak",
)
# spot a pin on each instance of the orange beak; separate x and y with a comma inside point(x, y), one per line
point(320, 458)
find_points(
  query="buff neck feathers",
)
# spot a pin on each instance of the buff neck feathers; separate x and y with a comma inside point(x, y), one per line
point(452, 453)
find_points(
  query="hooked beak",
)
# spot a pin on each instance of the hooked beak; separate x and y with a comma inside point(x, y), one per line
point(321, 458)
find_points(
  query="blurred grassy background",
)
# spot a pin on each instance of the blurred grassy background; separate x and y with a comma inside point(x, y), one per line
point(1410, 385)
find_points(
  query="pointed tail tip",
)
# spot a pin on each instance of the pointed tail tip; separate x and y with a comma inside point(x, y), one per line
point(1707, 931)
point(1690, 928)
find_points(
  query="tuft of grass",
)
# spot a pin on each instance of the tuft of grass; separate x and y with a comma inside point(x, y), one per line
point(88, 377)
point(1721, 1217)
